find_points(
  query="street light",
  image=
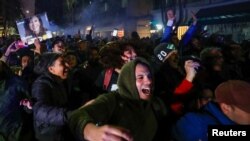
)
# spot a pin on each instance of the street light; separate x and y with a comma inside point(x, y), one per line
point(159, 26)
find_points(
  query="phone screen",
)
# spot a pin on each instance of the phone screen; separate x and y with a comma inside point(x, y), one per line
point(20, 44)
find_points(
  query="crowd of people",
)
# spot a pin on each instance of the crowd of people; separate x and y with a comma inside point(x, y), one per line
point(141, 89)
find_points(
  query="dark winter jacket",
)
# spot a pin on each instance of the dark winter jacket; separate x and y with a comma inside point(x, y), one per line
point(50, 109)
point(12, 115)
point(80, 88)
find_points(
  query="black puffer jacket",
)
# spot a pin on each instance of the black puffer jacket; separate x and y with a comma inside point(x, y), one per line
point(50, 109)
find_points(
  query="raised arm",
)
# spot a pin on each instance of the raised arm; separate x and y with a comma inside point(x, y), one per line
point(13, 47)
point(168, 29)
point(190, 32)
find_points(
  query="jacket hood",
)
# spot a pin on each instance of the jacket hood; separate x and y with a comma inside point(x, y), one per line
point(127, 81)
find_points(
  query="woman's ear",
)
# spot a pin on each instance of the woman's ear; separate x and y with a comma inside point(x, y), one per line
point(50, 68)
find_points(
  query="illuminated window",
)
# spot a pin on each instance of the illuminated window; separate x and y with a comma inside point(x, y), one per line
point(181, 31)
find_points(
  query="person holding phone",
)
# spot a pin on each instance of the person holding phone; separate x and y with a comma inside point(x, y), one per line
point(10, 55)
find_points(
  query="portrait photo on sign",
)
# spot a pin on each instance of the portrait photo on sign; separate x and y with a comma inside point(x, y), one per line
point(36, 26)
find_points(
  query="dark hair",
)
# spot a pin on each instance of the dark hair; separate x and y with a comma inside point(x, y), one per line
point(110, 54)
point(72, 52)
point(29, 32)
point(46, 60)
point(56, 41)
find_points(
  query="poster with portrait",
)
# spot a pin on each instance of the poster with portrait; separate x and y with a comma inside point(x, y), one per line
point(34, 27)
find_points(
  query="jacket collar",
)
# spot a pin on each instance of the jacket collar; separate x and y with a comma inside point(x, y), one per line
point(215, 111)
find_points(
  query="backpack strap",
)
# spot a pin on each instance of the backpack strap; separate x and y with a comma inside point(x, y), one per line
point(107, 78)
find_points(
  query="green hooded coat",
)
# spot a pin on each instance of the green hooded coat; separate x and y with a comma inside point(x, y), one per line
point(123, 108)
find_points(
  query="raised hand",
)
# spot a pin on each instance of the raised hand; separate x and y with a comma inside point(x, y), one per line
point(13, 47)
point(190, 68)
point(26, 103)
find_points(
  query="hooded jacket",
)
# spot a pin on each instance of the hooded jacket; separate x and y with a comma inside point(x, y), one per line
point(123, 108)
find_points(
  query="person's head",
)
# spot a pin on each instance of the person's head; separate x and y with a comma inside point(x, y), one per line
point(94, 54)
point(52, 63)
point(233, 97)
point(196, 43)
point(167, 52)
point(25, 60)
point(83, 46)
point(58, 46)
point(135, 80)
point(34, 26)
point(128, 52)
point(233, 52)
point(71, 59)
point(170, 15)
point(212, 58)
point(143, 78)
point(116, 54)
point(174, 39)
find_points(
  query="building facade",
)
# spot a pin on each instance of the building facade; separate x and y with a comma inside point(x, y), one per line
point(229, 17)
point(124, 15)
point(147, 17)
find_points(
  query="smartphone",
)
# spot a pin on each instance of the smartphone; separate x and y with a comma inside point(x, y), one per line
point(21, 44)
